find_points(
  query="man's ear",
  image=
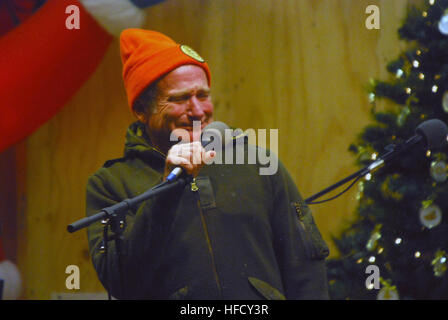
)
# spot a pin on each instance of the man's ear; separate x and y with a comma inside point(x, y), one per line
point(140, 116)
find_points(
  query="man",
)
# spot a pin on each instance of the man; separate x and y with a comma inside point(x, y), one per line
point(230, 234)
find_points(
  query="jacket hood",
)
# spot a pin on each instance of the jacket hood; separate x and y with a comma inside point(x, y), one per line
point(138, 144)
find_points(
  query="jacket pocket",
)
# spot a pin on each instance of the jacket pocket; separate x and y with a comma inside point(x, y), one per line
point(266, 290)
point(206, 194)
point(315, 246)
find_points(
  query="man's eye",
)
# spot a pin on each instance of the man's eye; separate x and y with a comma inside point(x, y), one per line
point(178, 98)
point(203, 95)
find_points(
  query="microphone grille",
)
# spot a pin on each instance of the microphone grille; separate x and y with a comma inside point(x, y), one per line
point(218, 126)
point(435, 133)
point(213, 131)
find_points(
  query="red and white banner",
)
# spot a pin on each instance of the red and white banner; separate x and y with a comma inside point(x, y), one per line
point(43, 62)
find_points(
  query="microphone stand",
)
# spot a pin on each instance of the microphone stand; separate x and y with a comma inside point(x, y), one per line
point(114, 218)
point(392, 152)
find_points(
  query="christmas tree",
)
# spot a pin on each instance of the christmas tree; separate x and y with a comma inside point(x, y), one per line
point(401, 219)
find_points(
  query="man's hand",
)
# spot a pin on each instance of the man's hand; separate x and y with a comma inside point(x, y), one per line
point(190, 156)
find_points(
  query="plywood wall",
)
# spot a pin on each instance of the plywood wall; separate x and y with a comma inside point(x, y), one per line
point(299, 66)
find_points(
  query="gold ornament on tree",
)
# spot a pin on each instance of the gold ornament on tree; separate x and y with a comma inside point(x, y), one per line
point(390, 186)
point(439, 170)
point(430, 215)
point(388, 291)
point(445, 101)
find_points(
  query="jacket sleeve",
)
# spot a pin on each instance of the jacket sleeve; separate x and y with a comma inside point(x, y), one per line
point(299, 246)
point(142, 240)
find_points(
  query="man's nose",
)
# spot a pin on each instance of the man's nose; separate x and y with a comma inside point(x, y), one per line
point(196, 109)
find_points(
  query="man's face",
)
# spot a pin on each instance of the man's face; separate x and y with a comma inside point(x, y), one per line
point(183, 97)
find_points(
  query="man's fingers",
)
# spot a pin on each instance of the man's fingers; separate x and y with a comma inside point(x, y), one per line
point(191, 157)
point(186, 150)
point(176, 161)
point(207, 156)
point(197, 156)
point(190, 151)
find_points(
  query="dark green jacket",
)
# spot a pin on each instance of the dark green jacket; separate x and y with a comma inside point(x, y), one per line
point(232, 234)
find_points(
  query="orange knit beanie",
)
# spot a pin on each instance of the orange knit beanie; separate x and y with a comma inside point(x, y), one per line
point(148, 55)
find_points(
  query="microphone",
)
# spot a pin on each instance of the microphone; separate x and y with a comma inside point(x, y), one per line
point(213, 131)
point(433, 133)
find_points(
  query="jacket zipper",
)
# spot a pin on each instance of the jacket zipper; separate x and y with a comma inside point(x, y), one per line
point(195, 188)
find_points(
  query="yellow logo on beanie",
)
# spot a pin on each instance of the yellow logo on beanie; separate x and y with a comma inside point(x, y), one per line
point(191, 53)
